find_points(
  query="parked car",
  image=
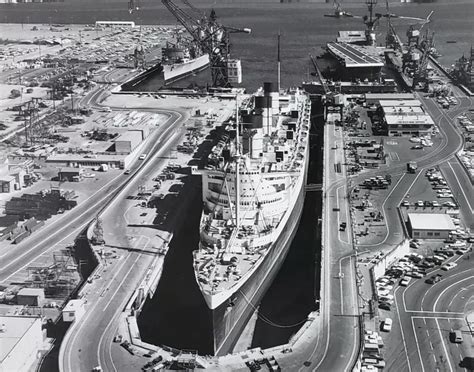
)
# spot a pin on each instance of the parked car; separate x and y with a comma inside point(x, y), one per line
point(387, 325)
point(449, 266)
point(384, 306)
point(434, 279)
point(405, 281)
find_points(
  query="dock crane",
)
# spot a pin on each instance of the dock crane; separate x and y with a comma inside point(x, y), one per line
point(213, 39)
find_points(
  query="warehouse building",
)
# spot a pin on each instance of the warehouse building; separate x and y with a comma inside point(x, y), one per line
point(70, 174)
point(430, 225)
point(372, 98)
point(21, 338)
point(406, 118)
point(128, 141)
point(30, 296)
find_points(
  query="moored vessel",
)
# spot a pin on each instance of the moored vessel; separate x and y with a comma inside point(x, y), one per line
point(253, 195)
point(179, 61)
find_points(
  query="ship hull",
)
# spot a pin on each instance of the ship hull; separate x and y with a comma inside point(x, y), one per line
point(177, 71)
point(229, 321)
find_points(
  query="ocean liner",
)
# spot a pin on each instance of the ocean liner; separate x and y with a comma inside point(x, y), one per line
point(253, 195)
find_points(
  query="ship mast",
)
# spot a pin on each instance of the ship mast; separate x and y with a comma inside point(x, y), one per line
point(237, 165)
point(279, 61)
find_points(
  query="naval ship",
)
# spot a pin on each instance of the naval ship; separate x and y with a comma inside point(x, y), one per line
point(179, 61)
point(253, 195)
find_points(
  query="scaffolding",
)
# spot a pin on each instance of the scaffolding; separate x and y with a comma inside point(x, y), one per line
point(58, 278)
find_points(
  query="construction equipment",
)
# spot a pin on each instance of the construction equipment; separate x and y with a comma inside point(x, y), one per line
point(212, 38)
point(318, 71)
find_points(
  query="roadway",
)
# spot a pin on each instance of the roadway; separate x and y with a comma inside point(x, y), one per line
point(428, 313)
point(334, 347)
point(89, 342)
point(64, 230)
point(337, 342)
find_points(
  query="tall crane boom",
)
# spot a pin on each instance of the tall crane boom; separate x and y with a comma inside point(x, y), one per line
point(211, 37)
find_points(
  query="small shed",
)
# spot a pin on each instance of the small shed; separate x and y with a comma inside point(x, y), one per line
point(7, 183)
point(70, 174)
point(74, 310)
point(30, 296)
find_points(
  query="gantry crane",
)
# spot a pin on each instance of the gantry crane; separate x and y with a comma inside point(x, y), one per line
point(211, 37)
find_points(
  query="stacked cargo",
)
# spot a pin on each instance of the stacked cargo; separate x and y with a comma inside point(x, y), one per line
point(41, 206)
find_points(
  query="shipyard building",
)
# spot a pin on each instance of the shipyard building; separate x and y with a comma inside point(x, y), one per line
point(430, 225)
point(405, 118)
point(21, 338)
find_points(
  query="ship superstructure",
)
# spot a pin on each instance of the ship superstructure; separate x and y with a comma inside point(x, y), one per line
point(253, 192)
point(180, 60)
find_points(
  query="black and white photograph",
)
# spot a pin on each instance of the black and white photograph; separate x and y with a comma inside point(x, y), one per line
point(236, 185)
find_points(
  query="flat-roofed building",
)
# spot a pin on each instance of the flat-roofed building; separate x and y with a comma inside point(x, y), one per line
point(70, 174)
point(74, 310)
point(30, 296)
point(128, 141)
point(406, 118)
point(21, 338)
point(430, 225)
point(114, 24)
point(372, 98)
point(7, 183)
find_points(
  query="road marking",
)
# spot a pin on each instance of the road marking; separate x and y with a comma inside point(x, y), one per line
point(82, 214)
point(457, 294)
point(447, 288)
point(118, 310)
point(462, 189)
point(354, 295)
point(432, 288)
point(383, 209)
point(417, 345)
point(126, 275)
point(434, 312)
point(401, 329)
point(347, 217)
point(79, 325)
point(325, 282)
point(61, 230)
point(444, 346)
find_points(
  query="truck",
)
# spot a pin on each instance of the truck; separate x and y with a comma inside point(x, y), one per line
point(104, 168)
point(412, 167)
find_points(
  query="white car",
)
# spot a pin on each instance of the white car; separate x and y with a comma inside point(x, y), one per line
point(142, 156)
point(383, 292)
point(405, 281)
point(387, 325)
point(449, 266)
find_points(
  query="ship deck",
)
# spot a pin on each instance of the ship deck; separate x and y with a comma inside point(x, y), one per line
point(355, 56)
